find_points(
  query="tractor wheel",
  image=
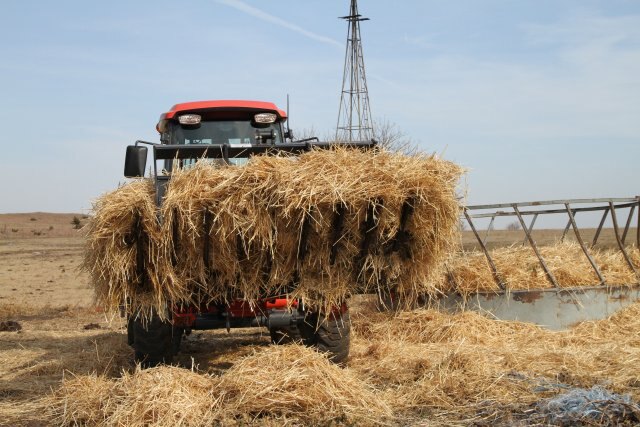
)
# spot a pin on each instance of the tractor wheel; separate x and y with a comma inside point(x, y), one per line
point(154, 342)
point(331, 335)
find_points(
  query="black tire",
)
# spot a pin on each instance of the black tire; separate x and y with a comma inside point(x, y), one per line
point(154, 342)
point(331, 335)
point(130, 338)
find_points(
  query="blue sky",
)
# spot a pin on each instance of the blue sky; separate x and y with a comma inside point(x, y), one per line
point(538, 99)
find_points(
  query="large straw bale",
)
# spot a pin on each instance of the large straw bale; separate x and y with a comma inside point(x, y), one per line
point(269, 227)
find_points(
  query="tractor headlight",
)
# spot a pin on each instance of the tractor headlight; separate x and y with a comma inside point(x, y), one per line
point(190, 119)
point(265, 118)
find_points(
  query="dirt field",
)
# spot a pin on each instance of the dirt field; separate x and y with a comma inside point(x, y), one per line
point(40, 255)
point(502, 238)
point(61, 334)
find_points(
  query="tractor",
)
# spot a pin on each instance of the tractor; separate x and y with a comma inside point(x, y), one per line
point(228, 133)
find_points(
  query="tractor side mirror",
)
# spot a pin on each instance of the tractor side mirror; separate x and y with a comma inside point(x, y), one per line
point(135, 161)
point(288, 134)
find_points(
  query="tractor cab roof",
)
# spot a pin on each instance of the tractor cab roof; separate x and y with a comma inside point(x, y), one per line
point(220, 109)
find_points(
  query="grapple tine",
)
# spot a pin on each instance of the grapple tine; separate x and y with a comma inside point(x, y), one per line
point(267, 266)
point(303, 247)
point(337, 224)
point(175, 238)
point(241, 253)
point(206, 244)
point(368, 230)
point(140, 241)
point(400, 242)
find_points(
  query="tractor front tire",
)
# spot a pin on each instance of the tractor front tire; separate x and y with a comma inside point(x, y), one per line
point(154, 342)
point(331, 335)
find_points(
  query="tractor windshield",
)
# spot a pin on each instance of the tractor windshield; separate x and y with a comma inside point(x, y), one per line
point(233, 132)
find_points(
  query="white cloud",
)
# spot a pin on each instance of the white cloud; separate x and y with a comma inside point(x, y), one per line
point(586, 85)
point(586, 30)
point(264, 16)
point(423, 41)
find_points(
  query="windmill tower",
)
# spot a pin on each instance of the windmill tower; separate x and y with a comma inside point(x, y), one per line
point(354, 114)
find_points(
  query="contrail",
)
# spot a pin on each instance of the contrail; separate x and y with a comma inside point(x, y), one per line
point(257, 13)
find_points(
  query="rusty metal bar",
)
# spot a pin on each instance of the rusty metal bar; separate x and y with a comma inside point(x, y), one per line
point(532, 242)
point(550, 211)
point(566, 230)
point(555, 202)
point(572, 220)
point(489, 228)
point(494, 270)
point(599, 229)
point(628, 224)
point(533, 221)
point(620, 244)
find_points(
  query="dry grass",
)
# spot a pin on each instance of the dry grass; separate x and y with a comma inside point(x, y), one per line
point(284, 383)
point(419, 365)
point(520, 269)
point(52, 340)
point(428, 359)
point(256, 223)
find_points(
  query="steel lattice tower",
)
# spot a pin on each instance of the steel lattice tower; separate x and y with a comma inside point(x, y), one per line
point(354, 114)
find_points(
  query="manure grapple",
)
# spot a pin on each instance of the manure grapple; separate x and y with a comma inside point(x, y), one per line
point(226, 133)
